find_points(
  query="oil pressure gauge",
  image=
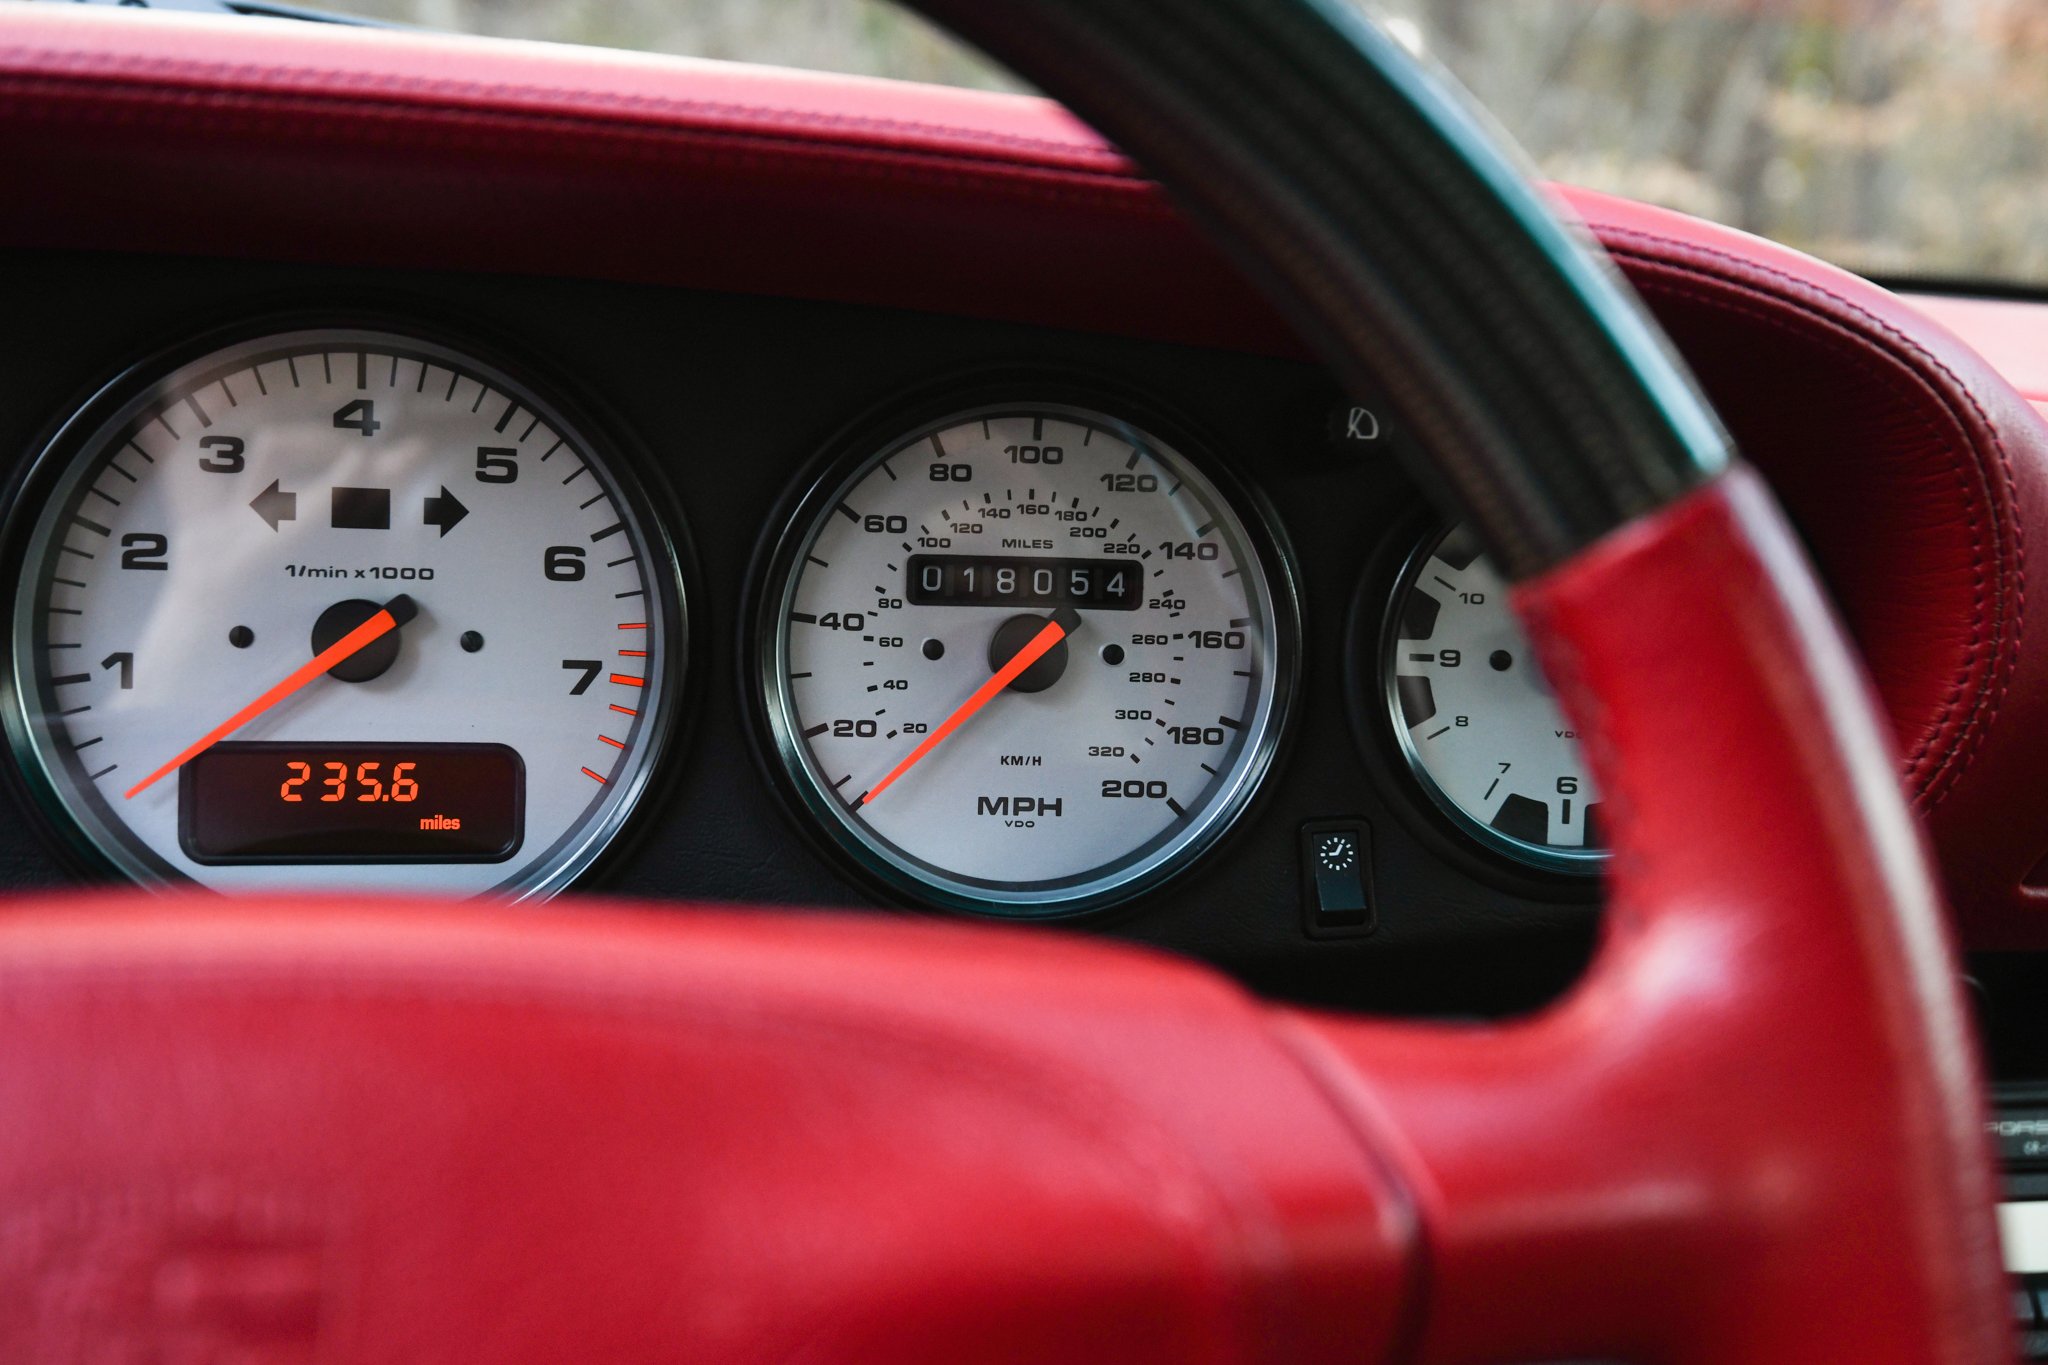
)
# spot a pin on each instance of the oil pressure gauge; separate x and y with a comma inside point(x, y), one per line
point(1026, 658)
point(1474, 717)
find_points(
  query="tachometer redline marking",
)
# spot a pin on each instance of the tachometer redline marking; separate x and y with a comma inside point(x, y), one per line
point(624, 710)
point(595, 777)
point(613, 742)
point(627, 680)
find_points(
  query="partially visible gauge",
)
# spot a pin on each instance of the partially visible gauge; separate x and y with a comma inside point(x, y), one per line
point(338, 608)
point(1026, 659)
point(1475, 718)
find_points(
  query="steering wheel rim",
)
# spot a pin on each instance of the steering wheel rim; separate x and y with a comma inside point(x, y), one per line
point(243, 1108)
point(1402, 239)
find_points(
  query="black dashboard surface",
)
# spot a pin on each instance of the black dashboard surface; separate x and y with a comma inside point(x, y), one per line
point(724, 402)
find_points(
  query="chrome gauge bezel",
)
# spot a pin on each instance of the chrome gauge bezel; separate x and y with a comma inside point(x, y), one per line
point(843, 464)
point(1578, 865)
point(51, 482)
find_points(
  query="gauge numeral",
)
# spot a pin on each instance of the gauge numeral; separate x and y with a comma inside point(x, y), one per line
point(590, 668)
point(951, 473)
point(496, 464)
point(1449, 658)
point(880, 525)
point(1190, 549)
point(145, 550)
point(358, 414)
point(1220, 639)
point(853, 729)
point(563, 563)
point(1134, 790)
point(227, 456)
point(1035, 454)
point(843, 620)
point(1209, 736)
point(1567, 786)
point(126, 664)
point(1131, 483)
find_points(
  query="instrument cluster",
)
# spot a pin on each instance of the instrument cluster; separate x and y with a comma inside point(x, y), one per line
point(333, 601)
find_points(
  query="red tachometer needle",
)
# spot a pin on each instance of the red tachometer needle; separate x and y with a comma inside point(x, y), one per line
point(1063, 623)
point(395, 613)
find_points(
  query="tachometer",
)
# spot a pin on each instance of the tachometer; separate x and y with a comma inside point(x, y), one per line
point(340, 609)
point(1026, 659)
point(1475, 718)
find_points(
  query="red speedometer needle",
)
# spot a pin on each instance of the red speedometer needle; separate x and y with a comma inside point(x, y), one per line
point(1063, 623)
point(395, 613)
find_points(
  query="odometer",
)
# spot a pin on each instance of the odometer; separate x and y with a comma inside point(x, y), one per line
point(289, 803)
point(1026, 659)
point(340, 609)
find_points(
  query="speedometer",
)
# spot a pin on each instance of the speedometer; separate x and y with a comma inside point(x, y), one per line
point(336, 608)
point(1027, 658)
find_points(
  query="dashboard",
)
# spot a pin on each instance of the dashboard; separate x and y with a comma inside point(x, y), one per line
point(813, 493)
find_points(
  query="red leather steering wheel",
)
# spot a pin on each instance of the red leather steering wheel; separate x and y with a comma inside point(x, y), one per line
point(360, 1133)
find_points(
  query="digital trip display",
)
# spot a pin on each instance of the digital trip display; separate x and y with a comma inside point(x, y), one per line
point(1017, 581)
point(274, 802)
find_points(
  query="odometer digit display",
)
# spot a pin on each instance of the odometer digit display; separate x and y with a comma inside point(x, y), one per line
point(1026, 659)
point(1017, 581)
point(291, 803)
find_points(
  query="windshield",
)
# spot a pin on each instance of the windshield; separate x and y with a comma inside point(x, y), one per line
point(1901, 138)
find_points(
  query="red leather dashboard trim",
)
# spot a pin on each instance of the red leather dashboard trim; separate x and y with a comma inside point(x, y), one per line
point(1913, 469)
point(312, 143)
point(1915, 472)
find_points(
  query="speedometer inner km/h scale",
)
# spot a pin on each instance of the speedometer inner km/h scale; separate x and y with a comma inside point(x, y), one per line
point(1027, 659)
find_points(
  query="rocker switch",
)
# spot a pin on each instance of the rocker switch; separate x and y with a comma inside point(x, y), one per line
point(1334, 858)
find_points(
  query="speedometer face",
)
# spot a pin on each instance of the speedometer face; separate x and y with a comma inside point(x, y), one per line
point(1026, 659)
point(340, 609)
point(1475, 718)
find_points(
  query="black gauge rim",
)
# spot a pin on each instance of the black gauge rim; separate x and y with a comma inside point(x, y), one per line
point(848, 457)
point(583, 850)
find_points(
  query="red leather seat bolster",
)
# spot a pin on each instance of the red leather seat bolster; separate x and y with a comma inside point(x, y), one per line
point(413, 1132)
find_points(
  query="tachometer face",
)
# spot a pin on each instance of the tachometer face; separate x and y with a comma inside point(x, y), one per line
point(1475, 718)
point(1026, 659)
point(341, 609)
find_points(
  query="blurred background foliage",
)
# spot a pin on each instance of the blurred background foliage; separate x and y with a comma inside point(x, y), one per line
point(1898, 137)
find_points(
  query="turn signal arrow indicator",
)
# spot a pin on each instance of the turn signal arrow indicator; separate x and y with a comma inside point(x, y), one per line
point(445, 511)
point(274, 505)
